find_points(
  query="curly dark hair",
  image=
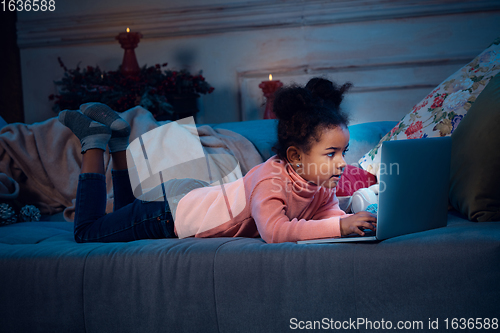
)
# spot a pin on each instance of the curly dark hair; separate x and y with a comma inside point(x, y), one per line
point(304, 112)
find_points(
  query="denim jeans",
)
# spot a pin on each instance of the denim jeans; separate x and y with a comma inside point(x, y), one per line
point(131, 219)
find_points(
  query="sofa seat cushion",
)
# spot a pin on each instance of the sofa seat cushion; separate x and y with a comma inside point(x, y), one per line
point(446, 273)
point(50, 283)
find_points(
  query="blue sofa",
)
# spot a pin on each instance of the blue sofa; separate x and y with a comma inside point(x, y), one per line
point(49, 283)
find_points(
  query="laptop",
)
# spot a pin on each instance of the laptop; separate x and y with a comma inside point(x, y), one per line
point(413, 192)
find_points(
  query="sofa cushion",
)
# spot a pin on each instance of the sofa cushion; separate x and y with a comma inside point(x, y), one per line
point(475, 162)
point(364, 136)
point(444, 272)
point(353, 179)
point(440, 112)
point(50, 283)
point(262, 133)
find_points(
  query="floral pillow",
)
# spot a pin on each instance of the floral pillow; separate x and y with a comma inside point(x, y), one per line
point(441, 111)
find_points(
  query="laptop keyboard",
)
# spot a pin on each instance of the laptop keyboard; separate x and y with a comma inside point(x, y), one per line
point(368, 233)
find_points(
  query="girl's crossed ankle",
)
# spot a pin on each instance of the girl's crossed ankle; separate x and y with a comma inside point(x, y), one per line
point(120, 129)
point(91, 133)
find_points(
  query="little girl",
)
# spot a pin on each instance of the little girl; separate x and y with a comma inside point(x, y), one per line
point(288, 198)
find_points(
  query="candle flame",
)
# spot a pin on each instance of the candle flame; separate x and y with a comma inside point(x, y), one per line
point(270, 77)
point(128, 30)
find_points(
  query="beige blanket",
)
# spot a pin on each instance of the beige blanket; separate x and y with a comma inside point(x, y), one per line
point(44, 158)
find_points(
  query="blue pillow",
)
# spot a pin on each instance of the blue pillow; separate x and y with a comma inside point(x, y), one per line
point(364, 137)
point(263, 134)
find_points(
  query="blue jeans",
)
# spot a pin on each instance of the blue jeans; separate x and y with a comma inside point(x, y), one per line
point(131, 219)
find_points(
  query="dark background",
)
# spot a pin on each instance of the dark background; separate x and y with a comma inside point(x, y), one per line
point(11, 93)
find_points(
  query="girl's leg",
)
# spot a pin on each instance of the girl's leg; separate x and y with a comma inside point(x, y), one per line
point(119, 160)
point(122, 190)
point(134, 221)
point(137, 220)
point(93, 161)
point(120, 132)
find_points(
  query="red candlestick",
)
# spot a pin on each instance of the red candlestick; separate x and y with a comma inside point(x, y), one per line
point(269, 88)
point(129, 40)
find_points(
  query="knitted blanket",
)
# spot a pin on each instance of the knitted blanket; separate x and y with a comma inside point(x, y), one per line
point(44, 161)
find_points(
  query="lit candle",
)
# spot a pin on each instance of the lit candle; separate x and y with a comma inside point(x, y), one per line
point(269, 88)
point(129, 40)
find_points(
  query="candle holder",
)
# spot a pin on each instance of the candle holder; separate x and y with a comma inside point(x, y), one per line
point(269, 88)
point(128, 41)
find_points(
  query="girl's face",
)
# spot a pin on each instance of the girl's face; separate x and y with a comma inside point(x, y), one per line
point(324, 163)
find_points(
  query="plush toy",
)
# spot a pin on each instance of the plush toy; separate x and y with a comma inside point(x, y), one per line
point(373, 208)
point(364, 199)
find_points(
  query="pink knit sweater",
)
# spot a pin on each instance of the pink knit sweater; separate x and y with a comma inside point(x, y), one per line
point(271, 200)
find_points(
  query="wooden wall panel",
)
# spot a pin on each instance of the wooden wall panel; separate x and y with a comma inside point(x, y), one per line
point(380, 92)
point(393, 51)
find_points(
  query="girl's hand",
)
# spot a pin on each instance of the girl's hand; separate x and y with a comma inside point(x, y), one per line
point(357, 222)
